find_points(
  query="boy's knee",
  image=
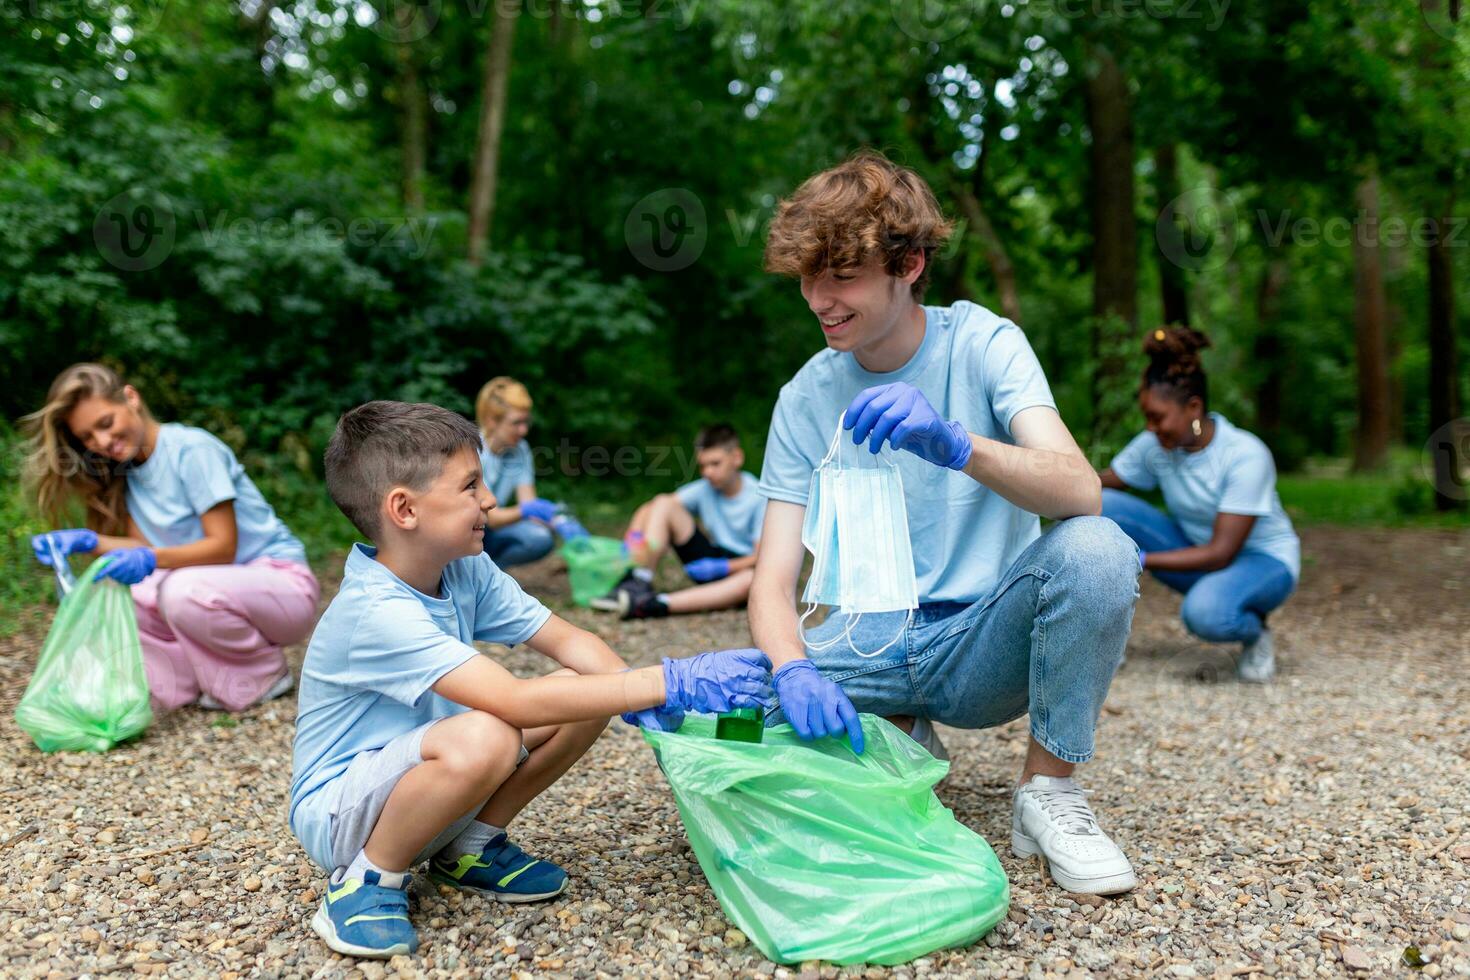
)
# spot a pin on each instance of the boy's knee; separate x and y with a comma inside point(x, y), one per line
point(482, 747)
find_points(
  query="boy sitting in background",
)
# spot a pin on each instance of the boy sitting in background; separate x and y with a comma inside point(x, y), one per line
point(725, 500)
point(410, 745)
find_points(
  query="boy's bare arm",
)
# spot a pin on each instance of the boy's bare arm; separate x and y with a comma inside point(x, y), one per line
point(484, 685)
point(573, 647)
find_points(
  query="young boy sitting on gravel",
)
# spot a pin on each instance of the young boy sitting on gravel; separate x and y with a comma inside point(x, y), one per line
point(412, 746)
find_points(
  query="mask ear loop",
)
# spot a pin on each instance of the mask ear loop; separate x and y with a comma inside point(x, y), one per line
point(868, 656)
point(846, 634)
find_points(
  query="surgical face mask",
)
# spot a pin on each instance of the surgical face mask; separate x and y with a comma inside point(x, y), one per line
point(856, 528)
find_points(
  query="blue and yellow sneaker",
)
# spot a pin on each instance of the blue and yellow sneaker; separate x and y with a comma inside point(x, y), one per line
point(363, 918)
point(502, 871)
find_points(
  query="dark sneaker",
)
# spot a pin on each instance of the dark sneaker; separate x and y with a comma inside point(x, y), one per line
point(642, 606)
point(363, 918)
point(502, 871)
point(610, 602)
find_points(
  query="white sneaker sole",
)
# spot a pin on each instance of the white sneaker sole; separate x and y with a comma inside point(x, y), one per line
point(321, 924)
point(1023, 846)
point(509, 899)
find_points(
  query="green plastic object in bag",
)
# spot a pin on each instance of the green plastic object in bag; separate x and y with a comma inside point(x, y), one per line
point(594, 565)
point(88, 691)
point(817, 853)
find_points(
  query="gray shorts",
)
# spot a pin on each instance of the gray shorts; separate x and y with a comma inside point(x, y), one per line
point(363, 790)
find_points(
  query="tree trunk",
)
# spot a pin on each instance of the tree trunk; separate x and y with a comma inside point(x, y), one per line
point(1445, 426)
point(1172, 287)
point(994, 249)
point(1444, 380)
point(1114, 235)
point(1369, 315)
point(413, 109)
point(1266, 350)
point(492, 124)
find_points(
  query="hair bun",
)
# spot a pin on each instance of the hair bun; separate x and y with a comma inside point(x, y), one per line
point(1174, 351)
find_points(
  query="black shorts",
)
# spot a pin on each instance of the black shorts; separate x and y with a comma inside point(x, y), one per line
point(698, 546)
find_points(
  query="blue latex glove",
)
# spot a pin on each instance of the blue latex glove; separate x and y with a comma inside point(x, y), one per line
point(129, 565)
point(707, 569)
point(900, 414)
point(538, 509)
point(568, 527)
point(815, 706)
point(720, 681)
point(68, 542)
point(658, 719)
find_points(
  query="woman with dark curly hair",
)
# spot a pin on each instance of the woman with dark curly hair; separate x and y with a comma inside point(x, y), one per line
point(1225, 542)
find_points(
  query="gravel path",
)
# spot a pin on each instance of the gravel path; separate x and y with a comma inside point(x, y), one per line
point(1318, 826)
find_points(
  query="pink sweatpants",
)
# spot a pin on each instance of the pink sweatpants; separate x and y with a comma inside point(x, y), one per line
point(219, 629)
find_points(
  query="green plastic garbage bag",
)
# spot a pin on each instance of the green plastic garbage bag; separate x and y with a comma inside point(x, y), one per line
point(88, 691)
point(594, 565)
point(817, 853)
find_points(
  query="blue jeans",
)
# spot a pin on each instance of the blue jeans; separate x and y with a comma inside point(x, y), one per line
point(1225, 606)
point(1045, 640)
point(518, 543)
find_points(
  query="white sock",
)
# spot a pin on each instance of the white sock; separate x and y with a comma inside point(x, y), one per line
point(361, 865)
point(646, 574)
point(472, 839)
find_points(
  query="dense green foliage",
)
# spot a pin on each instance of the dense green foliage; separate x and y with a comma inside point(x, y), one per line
point(259, 145)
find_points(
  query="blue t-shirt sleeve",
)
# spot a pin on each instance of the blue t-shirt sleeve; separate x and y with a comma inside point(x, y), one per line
point(204, 469)
point(1250, 483)
point(691, 495)
point(399, 651)
point(1012, 376)
point(790, 456)
point(1131, 464)
point(503, 611)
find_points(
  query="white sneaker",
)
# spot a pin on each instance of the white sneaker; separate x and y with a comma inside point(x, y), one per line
point(1257, 664)
point(283, 685)
point(1052, 818)
point(926, 735)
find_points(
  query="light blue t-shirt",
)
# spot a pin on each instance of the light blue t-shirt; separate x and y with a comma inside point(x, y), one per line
point(191, 471)
point(506, 471)
point(379, 649)
point(1234, 474)
point(974, 368)
point(733, 523)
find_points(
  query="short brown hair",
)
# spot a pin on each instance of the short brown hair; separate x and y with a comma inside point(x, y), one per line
point(866, 206)
point(720, 435)
point(381, 445)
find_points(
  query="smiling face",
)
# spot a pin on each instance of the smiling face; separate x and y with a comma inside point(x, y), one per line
point(114, 429)
point(448, 517)
point(859, 308)
point(1170, 420)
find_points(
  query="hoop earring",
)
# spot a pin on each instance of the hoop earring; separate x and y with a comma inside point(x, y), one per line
point(1196, 428)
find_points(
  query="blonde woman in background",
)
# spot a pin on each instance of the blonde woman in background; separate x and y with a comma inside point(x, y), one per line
point(220, 585)
point(518, 529)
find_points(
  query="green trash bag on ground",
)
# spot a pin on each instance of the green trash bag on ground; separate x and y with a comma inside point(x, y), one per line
point(594, 565)
point(817, 853)
point(88, 691)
